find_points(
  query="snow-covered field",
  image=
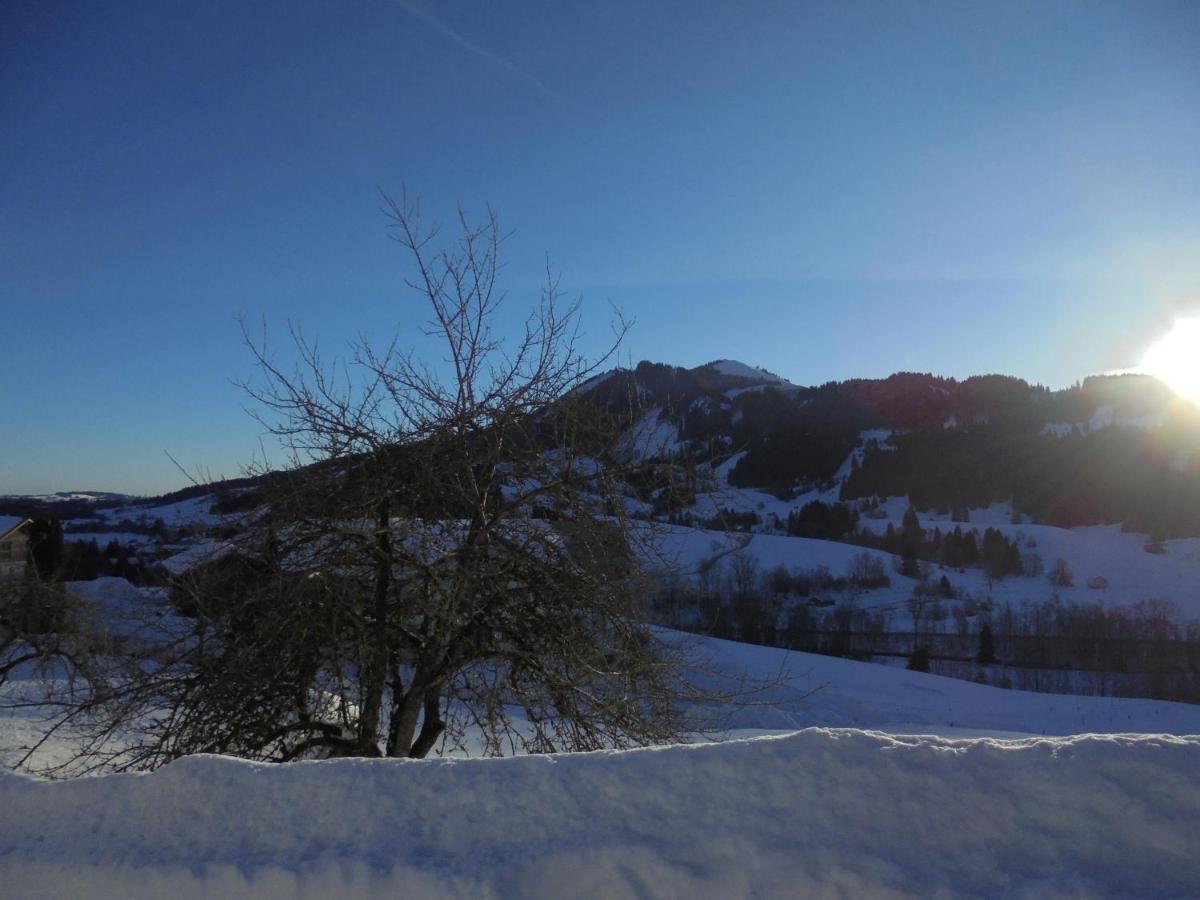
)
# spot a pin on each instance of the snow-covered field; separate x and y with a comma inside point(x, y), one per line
point(849, 806)
point(1099, 554)
point(849, 780)
point(807, 691)
point(825, 691)
point(1103, 551)
point(978, 804)
point(819, 813)
point(193, 511)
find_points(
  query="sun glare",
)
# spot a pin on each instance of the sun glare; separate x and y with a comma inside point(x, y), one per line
point(1175, 359)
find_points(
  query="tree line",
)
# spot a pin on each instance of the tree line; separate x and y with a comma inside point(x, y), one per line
point(1139, 650)
point(1111, 475)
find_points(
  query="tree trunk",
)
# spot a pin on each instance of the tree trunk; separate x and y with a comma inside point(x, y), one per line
point(405, 710)
point(375, 675)
point(405, 713)
point(432, 725)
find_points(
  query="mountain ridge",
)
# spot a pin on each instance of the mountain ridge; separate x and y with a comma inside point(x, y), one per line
point(941, 441)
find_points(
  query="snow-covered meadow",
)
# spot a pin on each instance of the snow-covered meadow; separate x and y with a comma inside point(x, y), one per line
point(850, 780)
point(1097, 555)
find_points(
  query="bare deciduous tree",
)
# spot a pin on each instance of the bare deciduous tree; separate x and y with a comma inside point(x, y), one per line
point(448, 555)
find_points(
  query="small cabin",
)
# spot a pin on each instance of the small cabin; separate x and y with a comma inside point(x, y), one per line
point(14, 544)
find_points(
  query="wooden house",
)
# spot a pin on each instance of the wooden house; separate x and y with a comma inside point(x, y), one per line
point(14, 544)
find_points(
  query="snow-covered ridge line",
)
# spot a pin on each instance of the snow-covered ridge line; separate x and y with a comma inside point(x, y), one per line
point(68, 496)
point(586, 387)
point(818, 812)
point(742, 370)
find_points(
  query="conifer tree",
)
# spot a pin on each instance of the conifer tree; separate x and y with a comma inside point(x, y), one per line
point(987, 649)
point(918, 660)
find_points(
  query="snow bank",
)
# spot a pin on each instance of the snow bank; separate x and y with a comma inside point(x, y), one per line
point(816, 813)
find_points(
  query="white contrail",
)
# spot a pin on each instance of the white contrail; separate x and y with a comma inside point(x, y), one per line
point(446, 31)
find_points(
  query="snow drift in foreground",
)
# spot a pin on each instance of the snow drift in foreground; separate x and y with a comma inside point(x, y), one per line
point(816, 813)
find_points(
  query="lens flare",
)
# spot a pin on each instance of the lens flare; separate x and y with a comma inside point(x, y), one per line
point(1175, 359)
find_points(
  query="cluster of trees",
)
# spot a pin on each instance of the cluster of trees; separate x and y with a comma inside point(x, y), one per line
point(920, 402)
point(823, 521)
point(1138, 650)
point(730, 520)
point(995, 553)
point(787, 450)
point(1111, 475)
point(720, 607)
point(998, 555)
point(85, 560)
point(735, 599)
point(53, 559)
point(155, 528)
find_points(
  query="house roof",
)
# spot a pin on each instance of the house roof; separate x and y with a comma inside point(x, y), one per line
point(9, 524)
point(196, 555)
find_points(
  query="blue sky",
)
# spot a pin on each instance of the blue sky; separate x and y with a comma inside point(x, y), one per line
point(824, 189)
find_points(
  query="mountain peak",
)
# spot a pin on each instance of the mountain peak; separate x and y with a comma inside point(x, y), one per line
point(740, 369)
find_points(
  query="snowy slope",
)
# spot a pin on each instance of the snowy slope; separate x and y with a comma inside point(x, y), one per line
point(720, 494)
point(1102, 551)
point(1094, 551)
point(818, 813)
point(832, 692)
point(1132, 575)
point(651, 437)
point(814, 691)
point(193, 511)
point(688, 549)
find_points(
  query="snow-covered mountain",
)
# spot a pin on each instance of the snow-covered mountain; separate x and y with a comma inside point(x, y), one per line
point(1114, 449)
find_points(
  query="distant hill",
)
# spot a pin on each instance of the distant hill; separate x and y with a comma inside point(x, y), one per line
point(62, 505)
point(1109, 449)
